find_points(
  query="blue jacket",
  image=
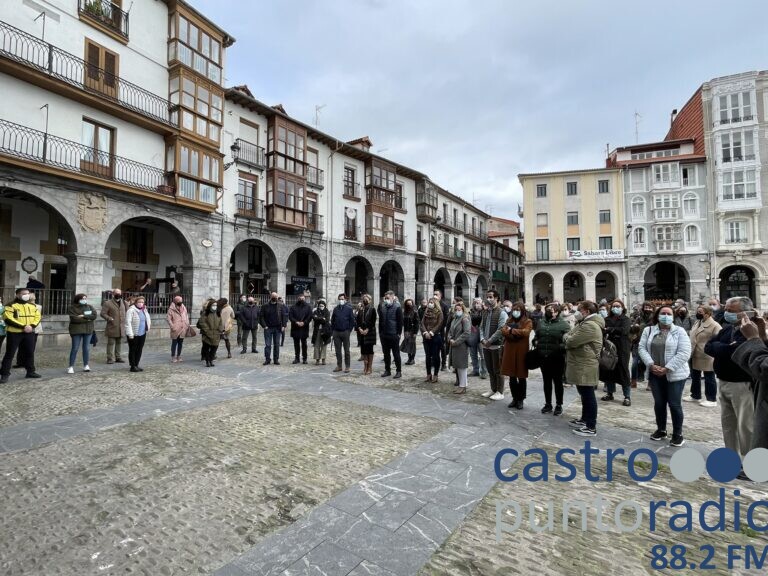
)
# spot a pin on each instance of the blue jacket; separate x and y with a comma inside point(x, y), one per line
point(391, 320)
point(343, 318)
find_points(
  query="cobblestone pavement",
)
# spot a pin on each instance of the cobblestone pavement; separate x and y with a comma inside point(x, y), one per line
point(246, 469)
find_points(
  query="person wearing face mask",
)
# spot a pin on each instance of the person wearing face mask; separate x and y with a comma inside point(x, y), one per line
point(432, 338)
point(550, 348)
point(410, 329)
point(321, 331)
point(475, 353)
point(113, 311)
point(753, 355)
point(582, 348)
point(242, 302)
point(286, 313)
point(81, 319)
point(227, 322)
point(717, 311)
point(390, 328)
point(209, 325)
point(516, 336)
point(617, 329)
point(665, 349)
point(300, 316)
point(342, 324)
point(643, 318)
point(248, 316)
point(494, 317)
point(137, 325)
point(458, 336)
point(683, 319)
point(178, 323)
point(20, 317)
point(365, 325)
point(273, 320)
point(445, 311)
point(734, 382)
point(422, 309)
point(536, 315)
point(701, 333)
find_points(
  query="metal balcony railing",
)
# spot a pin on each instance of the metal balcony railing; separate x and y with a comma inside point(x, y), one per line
point(477, 260)
point(315, 222)
point(477, 232)
point(352, 189)
point(18, 46)
point(249, 153)
point(352, 233)
point(315, 177)
point(107, 13)
point(446, 251)
point(448, 221)
point(39, 147)
point(54, 302)
point(249, 207)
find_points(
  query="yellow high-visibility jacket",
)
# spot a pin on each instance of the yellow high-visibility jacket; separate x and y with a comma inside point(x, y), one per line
point(20, 314)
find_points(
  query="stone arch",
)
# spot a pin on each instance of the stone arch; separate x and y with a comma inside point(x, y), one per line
point(461, 286)
point(573, 287)
point(304, 271)
point(543, 285)
point(358, 277)
point(253, 269)
point(392, 277)
point(481, 286)
point(666, 281)
point(738, 280)
point(442, 281)
point(606, 286)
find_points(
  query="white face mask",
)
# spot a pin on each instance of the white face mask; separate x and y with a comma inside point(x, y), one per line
point(431, 304)
point(341, 302)
point(25, 297)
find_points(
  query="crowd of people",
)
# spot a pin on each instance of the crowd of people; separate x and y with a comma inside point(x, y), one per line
point(660, 344)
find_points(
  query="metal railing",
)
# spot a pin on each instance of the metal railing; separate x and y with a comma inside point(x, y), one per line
point(249, 153)
point(352, 233)
point(34, 53)
point(249, 207)
point(154, 302)
point(447, 221)
point(477, 232)
point(482, 261)
point(107, 13)
point(426, 212)
point(400, 240)
point(36, 146)
point(446, 251)
point(54, 302)
point(315, 222)
point(315, 177)
point(352, 189)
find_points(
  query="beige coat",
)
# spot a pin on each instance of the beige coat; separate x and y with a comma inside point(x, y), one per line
point(701, 332)
point(227, 319)
point(114, 313)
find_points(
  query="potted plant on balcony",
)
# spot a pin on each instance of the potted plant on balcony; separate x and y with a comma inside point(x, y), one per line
point(94, 8)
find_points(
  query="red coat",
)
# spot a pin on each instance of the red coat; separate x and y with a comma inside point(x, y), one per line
point(516, 344)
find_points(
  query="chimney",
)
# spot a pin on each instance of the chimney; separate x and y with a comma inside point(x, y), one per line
point(672, 117)
point(363, 143)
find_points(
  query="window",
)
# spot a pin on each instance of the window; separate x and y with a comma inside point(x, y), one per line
point(736, 108)
point(573, 243)
point(349, 182)
point(199, 164)
point(637, 180)
point(541, 191)
point(605, 216)
point(286, 146)
point(202, 106)
point(638, 208)
point(399, 199)
point(739, 185)
point(542, 249)
point(638, 238)
point(691, 237)
point(571, 189)
point(689, 176)
point(602, 186)
point(350, 225)
point(605, 242)
point(99, 154)
point(101, 70)
point(542, 219)
point(195, 48)
point(135, 243)
point(666, 173)
point(738, 146)
point(691, 205)
point(736, 232)
point(285, 192)
point(383, 176)
point(642, 155)
point(572, 218)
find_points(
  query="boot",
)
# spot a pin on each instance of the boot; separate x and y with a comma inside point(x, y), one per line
point(633, 384)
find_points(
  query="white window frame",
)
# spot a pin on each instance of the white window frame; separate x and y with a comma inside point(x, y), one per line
point(731, 226)
point(688, 198)
point(638, 215)
point(740, 184)
point(667, 173)
point(640, 238)
point(695, 243)
point(542, 219)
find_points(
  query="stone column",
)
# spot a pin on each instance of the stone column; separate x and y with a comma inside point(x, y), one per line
point(590, 290)
point(281, 283)
point(88, 277)
point(558, 293)
point(756, 229)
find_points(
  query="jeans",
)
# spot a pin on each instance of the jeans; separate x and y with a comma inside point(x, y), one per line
point(737, 415)
point(341, 339)
point(552, 372)
point(300, 347)
point(710, 385)
point(135, 347)
point(638, 368)
point(244, 338)
point(588, 406)
point(77, 340)
point(612, 388)
point(114, 349)
point(432, 349)
point(272, 339)
point(493, 365)
point(478, 361)
point(20, 341)
point(666, 393)
point(391, 345)
point(518, 388)
point(176, 346)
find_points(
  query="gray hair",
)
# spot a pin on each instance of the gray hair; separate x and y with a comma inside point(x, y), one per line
point(744, 302)
point(389, 293)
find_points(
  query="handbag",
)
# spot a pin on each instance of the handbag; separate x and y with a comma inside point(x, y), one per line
point(608, 356)
point(532, 359)
point(94, 339)
point(190, 333)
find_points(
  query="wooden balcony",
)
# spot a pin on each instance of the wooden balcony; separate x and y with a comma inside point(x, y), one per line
point(379, 238)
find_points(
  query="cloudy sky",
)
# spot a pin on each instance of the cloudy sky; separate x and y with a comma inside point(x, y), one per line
point(475, 92)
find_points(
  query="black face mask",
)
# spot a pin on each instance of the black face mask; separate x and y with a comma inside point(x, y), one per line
point(273, 300)
point(118, 298)
point(699, 316)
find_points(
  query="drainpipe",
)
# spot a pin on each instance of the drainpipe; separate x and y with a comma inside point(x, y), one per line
point(329, 201)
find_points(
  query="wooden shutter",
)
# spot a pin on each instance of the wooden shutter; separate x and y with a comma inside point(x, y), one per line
point(110, 70)
point(101, 70)
point(93, 58)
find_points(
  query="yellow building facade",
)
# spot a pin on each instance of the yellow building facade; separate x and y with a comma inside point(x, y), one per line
point(575, 235)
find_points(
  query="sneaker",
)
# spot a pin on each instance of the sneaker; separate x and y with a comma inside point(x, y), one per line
point(627, 402)
point(487, 394)
point(607, 398)
point(547, 409)
point(71, 370)
point(584, 431)
point(86, 368)
point(691, 399)
point(708, 404)
point(558, 410)
point(497, 396)
point(676, 441)
point(659, 435)
point(577, 423)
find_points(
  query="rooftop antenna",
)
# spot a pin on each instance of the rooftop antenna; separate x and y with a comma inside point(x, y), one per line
point(638, 117)
point(607, 149)
point(42, 14)
point(317, 114)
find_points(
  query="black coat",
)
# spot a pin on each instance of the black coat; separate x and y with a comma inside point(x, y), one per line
point(753, 355)
point(366, 319)
point(411, 322)
point(617, 330)
point(321, 325)
point(248, 316)
point(300, 312)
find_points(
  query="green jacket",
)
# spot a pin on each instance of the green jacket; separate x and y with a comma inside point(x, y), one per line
point(84, 325)
point(210, 326)
point(549, 336)
point(582, 346)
